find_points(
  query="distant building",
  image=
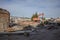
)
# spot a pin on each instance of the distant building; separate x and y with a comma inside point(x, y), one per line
point(18, 19)
point(4, 20)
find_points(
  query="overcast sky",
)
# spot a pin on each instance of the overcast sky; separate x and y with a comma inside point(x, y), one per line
point(51, 8)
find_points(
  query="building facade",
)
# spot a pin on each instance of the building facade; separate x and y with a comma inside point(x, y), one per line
point(4, 20)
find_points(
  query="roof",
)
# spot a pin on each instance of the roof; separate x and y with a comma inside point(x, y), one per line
point(4, 11)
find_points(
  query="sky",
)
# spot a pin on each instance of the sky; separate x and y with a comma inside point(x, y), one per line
point(26, 8)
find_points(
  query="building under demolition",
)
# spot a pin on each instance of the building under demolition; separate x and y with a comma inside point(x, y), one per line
point(4, 20)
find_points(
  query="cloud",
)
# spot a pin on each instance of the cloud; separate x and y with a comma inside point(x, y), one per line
point(28, 7)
